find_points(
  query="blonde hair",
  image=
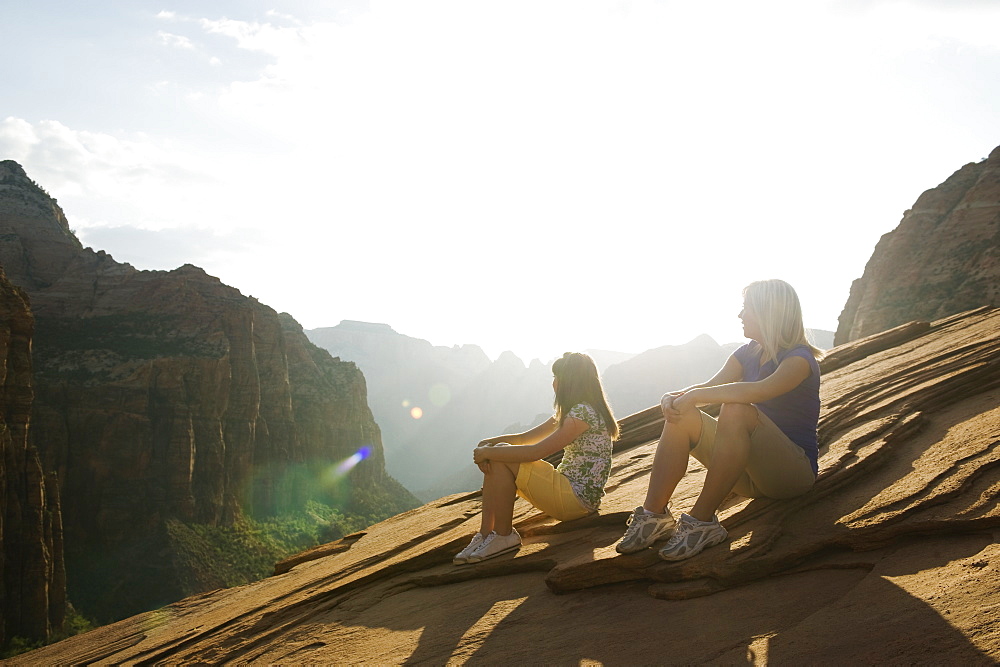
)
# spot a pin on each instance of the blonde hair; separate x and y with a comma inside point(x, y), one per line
point(776, 306)
point(579, 382)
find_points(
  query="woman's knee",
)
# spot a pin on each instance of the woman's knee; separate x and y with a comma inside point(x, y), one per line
point(740, 415)
point(689, 426)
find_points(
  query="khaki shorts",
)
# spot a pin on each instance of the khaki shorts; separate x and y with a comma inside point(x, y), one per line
point(777, 468)
point(548, 489)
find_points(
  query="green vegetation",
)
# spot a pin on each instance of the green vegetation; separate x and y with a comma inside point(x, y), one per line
point(215, 556)
point(247, 551)
point(137, 335)
point(75, 625)
point(19, 645)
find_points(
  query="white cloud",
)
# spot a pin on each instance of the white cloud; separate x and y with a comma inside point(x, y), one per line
point(135, 179)
point(175, 41)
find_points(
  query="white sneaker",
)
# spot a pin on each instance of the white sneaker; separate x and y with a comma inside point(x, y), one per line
point(494, 545)
point(644, 529)
point(462, 557)
point(692, 537)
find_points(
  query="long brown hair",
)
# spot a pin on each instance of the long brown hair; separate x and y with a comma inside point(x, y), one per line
point(579, 382)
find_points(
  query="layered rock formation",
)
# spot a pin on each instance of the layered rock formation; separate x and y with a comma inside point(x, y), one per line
point(165, 396)
point(943, 258)
point(891, 558)
point(32, 576)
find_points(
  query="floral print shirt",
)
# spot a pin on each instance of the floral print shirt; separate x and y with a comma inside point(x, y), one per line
point(586, 461)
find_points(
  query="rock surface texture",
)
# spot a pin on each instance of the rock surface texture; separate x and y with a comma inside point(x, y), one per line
point(32, 576)
point(892, 558)
point(943, 258)
point(163, 396)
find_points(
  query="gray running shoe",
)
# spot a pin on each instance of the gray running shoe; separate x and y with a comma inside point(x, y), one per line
point(494, 545)
point(692, 537)
point(462, 557)
point(644, 529)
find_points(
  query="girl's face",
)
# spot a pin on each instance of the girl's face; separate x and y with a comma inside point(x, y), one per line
point(555, 383)
point(751, 325)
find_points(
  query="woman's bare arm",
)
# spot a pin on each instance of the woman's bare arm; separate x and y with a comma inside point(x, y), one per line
point(731, 371)
point(789, 374)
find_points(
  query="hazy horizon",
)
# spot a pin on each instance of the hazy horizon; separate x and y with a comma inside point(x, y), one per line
point(538, 177)
point(495, 353)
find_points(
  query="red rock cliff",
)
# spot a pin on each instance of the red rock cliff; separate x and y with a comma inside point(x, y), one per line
point(169, 395)
point(32, 576)
point(942, 259)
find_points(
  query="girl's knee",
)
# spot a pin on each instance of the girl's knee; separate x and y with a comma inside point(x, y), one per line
point(503, 469)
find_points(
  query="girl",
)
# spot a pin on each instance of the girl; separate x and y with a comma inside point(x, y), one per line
point(583, 425)
point(764, 441)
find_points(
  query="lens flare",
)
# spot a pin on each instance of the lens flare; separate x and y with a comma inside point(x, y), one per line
point(354, 459)
point(416, 413)
point(439, 394)
point(337, 472)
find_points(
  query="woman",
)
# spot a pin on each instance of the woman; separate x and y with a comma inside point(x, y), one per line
point(583, 425)
point(764, 441)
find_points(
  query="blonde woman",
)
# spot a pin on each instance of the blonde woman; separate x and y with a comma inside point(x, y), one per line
point(583, 426)
point(764, 441)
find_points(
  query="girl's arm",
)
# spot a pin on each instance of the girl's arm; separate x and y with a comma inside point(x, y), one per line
point(787, 376)
point(529, 437)
point(563, 435)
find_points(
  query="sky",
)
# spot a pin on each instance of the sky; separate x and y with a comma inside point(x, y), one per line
point(534, 176)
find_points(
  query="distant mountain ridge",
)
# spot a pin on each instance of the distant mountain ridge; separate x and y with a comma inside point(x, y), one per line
point(636, 384)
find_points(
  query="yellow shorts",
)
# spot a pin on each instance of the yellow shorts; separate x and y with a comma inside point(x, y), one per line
point(777, 467)
point(548, 489)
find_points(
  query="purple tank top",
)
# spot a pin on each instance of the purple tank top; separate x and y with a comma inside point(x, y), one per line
point(796, 412)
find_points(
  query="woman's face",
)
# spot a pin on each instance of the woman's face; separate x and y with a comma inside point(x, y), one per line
point(751, 325)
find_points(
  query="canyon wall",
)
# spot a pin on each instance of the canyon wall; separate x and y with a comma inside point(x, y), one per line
point(167, 396)
point(32, 576)
point(942, 259)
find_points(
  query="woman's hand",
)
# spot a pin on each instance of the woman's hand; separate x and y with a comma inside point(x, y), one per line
point(667, 402)
point(678, 404)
